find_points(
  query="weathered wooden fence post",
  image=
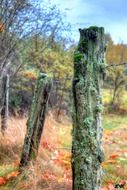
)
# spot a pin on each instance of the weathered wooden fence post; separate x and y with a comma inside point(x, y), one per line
point(4, 102)
point(89, 67)
point(36, 119)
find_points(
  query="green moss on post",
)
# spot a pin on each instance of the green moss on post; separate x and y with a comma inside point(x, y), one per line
point(36, 119)
point(89, 67)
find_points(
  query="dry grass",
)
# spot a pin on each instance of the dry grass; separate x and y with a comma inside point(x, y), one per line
point(12, 141)
point(57, 134)
point(114, 144)
point(10, 150)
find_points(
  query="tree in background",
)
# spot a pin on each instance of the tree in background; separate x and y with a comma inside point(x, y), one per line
point(116, 54)
point(12, 17)
point(29, 31)
point(57, 62)
point(11, 21)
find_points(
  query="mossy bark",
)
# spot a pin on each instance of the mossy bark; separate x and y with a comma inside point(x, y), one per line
point(89, 66)
point(35, 123)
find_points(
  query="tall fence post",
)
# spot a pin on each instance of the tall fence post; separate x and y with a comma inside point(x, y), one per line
point(89, 66)
point(4, 102)
point(35, 123)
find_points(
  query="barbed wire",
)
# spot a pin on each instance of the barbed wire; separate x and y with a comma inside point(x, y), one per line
point(116, 65)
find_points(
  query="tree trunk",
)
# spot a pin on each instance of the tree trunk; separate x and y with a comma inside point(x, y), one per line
point(115, 90)
point(2, 92)
point(35, 123)
point(4, 102)
point(89, 67)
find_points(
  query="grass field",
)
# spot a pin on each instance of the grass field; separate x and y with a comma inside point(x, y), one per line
point(52, 171)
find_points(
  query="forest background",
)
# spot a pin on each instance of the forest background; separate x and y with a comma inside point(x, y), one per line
point(36, 37)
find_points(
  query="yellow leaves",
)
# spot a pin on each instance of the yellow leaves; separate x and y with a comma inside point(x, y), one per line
point(108, 162)
point(108, 132)
point(62, 159)
point(116, 54)
point(58, 63)
point(61, 179)
point(12, 175)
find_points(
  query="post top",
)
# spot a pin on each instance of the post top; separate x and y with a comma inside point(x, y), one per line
point(93, 33)
point(43, 75)
point(94, 28)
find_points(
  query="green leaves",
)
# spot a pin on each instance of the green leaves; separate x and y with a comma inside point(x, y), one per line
point(78, 56)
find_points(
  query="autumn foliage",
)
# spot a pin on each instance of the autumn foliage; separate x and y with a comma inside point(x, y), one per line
point(1, 27)
point(10, 176)
point(53, 167)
